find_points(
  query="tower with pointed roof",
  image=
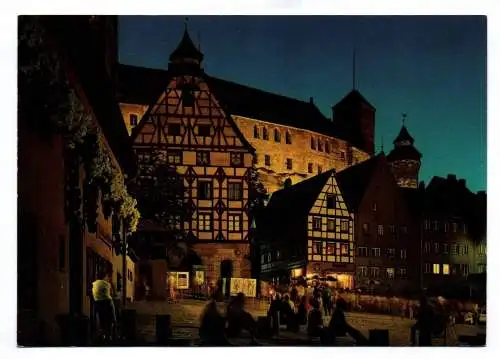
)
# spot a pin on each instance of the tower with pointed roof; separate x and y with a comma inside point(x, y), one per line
point(405, 159)
point(186, 58)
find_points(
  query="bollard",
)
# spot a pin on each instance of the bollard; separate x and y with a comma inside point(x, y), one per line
point(163, 328)
point(129, 325)
point(379, 338)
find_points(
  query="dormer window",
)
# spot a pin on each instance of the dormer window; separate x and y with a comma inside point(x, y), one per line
point(133, 120)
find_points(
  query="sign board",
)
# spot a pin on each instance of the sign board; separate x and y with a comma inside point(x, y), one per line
point(247, 286)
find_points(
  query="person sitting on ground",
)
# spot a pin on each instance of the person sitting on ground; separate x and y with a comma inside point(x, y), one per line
point(314, 320)
point(238, 319)
point(103, 302)
point(212, 325)
point(338, 326)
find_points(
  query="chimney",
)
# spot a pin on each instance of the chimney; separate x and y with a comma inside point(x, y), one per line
point(462, 182)
point(452, 178)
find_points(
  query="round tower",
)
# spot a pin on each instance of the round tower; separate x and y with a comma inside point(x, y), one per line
point(405, 159)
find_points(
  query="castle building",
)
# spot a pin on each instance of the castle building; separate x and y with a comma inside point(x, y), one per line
point(405, 159)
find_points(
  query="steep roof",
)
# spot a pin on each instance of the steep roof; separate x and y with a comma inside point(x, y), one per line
point(353, 97)
point(186, 49)
point(143, 85)
point(404, 135)
point(353, 181)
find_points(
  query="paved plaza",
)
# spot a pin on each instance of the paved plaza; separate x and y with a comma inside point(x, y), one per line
point(185, 316)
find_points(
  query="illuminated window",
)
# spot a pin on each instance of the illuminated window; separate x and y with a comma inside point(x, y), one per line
point(205, 222)
point(310, 168)
point(204, 190)
point(235, 191)
point(174, 157)
point(435, 268)
point(133, 120)
point(204, 130)
point(289, 164)
point(277, 135)
point(267, 160)
point(265, 135)
point(330, 201)
point(362, 251)
point(234, 223)
point(330, 225)
point(203, 158)
point(344, 226)
point(344, 248)
point(174, 129)
point(316, 224)
point(330, 249)
point(380, 230)
point(403, 253)
point(446, 269)
point(390, 273)
point(288, 138)
point(236, 159)
point(375, 252)
point(256, 133)
point(318, 248)
point(313, 143)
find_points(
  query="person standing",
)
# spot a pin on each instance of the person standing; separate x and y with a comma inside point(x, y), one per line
point(104, 306)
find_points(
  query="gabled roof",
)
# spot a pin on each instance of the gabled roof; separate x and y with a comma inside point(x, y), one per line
point(143, 85)
point(352, 98)
point(353, 181)
point(186, 50)
point(404, 135)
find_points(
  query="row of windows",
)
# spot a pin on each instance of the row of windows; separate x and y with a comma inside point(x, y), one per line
point(234, 190)
point(310, 168)
point(202, 158)
point(380, 229)
point(205, 222)
point(375, 252)
point(330, 248)
point(377, 272)
point(277, 135)
point(436, 226)
point(330, 224)
point(446, 248)
point(446, 269)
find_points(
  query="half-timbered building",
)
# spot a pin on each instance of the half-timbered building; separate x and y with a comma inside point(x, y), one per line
point(308, 231)
point(185, 126)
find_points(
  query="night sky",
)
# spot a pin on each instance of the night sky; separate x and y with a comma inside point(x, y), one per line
point(432, 68)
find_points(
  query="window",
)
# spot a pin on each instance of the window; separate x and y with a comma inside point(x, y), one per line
point(391, 252)
point(277, 135)
point(289, 164)
point(392, 229)
point(435, 268)
point(344, 249)
point(427, 224)
point(465, 249)
point(380, 230)
point(445, 248)
point(454, 227)
point(236, 159)
point(187, 97)
point(203, 158)
point(204, 130)
point(362, 271)
point(277, 254)
point(330, 225)
point(234, 222)
point(436, 226)
point(455, 249)
point(481, 268)
point(465, 228)
point(133, 119)
point(330, 201)
point(256, 133)
point(403, 272)
point(204, 190)
point(403, 253)
point(174, 129)
point(344, 226)
point(262, 259)
point(327, 147)
point(436, 247)
point(374, 206)
point(446, 269)
point(265, 135)
point(446, 227)
point(342, 155)
point(316, 223)
point(320, 146)
point(205, 222)
point(427, 267)
point(62, 254)
point(318, 248)
point(374, 272)
point(288, 138)
point(320, 169)
point(375, 252)
point(362, 251)
point(174, 157)
point(427, 247)
point(330, 249)
point(269, 257)
point(403, 229)
point(465, 269)
point(310, 168)
point(366, 228)
point(390, 273)
point(482, 250)
point(313, 144)
point(235, 191)
point(267, 160)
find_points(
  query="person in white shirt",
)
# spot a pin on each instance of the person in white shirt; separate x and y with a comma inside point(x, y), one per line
point(103, 303)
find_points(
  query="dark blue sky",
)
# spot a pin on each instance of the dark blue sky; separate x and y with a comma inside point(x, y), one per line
point(432, 68)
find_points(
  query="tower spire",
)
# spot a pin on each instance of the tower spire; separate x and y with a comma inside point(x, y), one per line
point(404, 118)
point(354, 68)
point(186, 19)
